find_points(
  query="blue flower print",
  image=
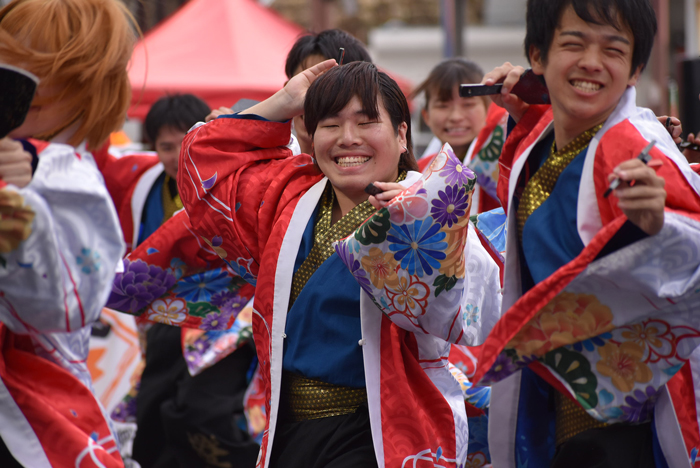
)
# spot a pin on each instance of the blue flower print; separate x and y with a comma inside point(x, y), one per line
point(418, 246)
point(591, 343)
point(88, 261)
point(471, 314)
point(200, 287)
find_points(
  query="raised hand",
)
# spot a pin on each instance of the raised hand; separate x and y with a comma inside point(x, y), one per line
point(288, 102)
point(643, 203)
point(507, 74)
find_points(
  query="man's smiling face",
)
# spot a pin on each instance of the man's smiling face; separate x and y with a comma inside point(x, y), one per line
point(587, 70)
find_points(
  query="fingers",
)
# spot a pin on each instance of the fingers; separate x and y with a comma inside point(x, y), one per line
point(509, 75)
point(389, 191)
point(15, 163)
point(324, 66)
point(636, 171)
point(217, 112)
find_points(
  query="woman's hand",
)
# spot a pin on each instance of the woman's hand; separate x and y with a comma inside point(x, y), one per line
point(15, 163)
point(643, 202)
point(288, 102)
point(15, 220)
point(389, 191)
point(217, 112)
point(509, 75)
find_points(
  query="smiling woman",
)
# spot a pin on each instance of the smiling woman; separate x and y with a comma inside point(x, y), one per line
point(327, 349)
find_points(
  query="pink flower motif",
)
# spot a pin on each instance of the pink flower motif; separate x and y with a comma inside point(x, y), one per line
point(410, 204)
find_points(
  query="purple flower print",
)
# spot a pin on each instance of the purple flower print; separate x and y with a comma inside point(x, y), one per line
point(228, 302)
point(452, 205)
point(455, 173)
point(215, 321)
point(139, 285)
point(641, 405)
point(502, 368)
point(353, 265)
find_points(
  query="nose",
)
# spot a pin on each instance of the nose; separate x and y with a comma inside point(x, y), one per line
point(591, 59)
point(456, 112)
point(349, 135)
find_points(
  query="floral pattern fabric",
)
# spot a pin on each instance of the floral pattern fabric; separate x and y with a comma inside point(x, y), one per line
point(414, 254)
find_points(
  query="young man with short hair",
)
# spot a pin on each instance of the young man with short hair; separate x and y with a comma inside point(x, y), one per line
point(592, 363)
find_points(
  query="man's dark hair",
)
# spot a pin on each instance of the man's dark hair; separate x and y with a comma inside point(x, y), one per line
point(446, 75)
point(178, 111)
point(543, 17)
point(326, 44)
point(333, 90)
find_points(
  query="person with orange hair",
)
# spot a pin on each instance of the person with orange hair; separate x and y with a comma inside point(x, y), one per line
point(56, 274)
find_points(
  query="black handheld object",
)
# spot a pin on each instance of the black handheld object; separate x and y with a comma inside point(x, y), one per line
point(373, 189)
point(688, 145)
point(17, 88)
point(531, 88)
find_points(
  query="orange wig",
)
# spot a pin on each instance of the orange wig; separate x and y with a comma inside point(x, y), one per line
point(80, 50)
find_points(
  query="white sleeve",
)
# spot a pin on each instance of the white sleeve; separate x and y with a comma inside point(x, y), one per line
point(60, 277)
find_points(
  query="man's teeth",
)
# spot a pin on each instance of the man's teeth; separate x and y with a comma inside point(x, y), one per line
point(456, 130)
point(586, 86)
point(348, 161)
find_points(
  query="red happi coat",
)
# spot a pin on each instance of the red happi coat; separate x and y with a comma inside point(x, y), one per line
point(619, 332)
point(244, 194)
point(129, 179)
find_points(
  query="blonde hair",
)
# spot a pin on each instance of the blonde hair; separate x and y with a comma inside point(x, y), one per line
point(81, 49)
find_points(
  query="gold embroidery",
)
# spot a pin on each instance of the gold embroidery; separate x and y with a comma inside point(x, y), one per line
point(540, 185)
point(571, 419)
point(207, 447)
point(325, 234)
point(305, 399)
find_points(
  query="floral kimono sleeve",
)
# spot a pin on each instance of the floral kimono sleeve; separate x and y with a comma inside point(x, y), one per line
point(59, 278)
point(177, 278)
point(421, 262)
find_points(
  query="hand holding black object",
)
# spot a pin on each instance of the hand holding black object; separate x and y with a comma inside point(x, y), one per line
point(17, 88)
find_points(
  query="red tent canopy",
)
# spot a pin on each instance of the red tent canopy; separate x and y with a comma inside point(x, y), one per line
point(220, 50)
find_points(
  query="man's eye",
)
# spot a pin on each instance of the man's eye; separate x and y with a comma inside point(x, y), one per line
point(367, 123)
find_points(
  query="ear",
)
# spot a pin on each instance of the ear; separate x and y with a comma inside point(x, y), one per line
point(635, 77)
point(536, 61)
point(401, 136)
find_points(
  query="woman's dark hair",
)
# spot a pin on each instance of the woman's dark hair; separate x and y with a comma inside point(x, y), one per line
point(326, 44)
point(178, 111)
point(331, 92)
point(543, 17)
point(446, 75)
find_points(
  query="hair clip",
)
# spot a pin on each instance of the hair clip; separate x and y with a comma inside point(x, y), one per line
point(341, 56)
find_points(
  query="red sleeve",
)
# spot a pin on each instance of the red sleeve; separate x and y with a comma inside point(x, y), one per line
point(623, 142)
point(236, 176)
point(523, 135)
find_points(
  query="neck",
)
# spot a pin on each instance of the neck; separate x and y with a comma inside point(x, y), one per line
point(344, 204)
point(461, 151)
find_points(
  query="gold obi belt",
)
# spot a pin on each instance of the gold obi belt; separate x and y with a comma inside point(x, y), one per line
point(571, 419)
point(302, 399)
